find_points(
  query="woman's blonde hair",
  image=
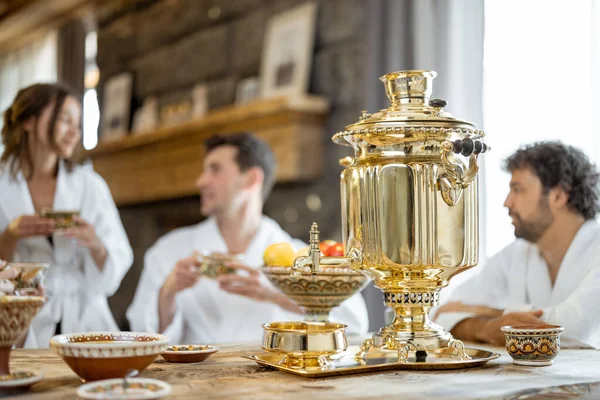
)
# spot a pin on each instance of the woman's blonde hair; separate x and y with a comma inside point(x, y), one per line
point(30, 102)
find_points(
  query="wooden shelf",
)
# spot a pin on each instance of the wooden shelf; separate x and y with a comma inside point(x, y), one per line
point(163, 164)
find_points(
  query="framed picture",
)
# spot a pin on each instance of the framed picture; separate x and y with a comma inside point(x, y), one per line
point(247, 90)
point(116, 106)
point(287, 52)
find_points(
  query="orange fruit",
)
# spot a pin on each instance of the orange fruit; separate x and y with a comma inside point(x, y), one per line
point(281, 254)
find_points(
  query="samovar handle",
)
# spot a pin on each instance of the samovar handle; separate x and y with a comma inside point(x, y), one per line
point(456, 175)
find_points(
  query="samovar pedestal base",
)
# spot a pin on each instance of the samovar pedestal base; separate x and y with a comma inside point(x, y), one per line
point(412, 332)
point(405, 344)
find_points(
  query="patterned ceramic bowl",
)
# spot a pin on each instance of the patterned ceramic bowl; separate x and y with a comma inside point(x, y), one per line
point(317, 294)
point(531, 345)
point(137, 388)
point(104, 355)
point(16, 313)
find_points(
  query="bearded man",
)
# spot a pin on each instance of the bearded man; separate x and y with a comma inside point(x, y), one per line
point(551, 273)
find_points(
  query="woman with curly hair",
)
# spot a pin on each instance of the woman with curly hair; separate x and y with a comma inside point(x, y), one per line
point(41, 130)
point(551, 273)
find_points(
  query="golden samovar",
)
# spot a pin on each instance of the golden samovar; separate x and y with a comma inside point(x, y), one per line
point(409, 210)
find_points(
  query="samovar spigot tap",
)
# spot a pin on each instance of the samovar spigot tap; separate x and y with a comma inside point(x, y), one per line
point(314, 259)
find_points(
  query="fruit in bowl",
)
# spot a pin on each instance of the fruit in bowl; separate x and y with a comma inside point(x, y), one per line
point(335, 249)
point(283, 254)
point(326, 244)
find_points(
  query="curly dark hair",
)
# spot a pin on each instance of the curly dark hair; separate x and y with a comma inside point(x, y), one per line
point(252, 152)
point(557, 164)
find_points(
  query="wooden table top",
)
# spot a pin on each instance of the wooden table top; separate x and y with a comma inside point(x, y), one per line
point(225, 375)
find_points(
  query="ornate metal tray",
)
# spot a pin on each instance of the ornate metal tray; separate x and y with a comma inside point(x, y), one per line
point(347, 365)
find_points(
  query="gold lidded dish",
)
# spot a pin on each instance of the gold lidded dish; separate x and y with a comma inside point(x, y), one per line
point(304, 344)
point(535, 346)
point(188, 353)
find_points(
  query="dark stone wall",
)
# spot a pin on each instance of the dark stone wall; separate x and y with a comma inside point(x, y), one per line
point(171, 45)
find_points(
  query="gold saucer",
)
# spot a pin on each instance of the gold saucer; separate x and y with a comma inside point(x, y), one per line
point(347, 365)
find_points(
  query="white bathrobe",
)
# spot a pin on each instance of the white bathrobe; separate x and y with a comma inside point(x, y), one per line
point(204, 312)
point(77, 290)
point(517, 279)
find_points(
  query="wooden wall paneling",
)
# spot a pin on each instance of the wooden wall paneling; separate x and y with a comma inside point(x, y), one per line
point(165, 164)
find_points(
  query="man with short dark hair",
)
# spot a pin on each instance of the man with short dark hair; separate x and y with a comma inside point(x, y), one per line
point(551, 273)
point(171, 298)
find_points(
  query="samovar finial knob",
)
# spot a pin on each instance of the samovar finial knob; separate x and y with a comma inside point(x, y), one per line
point(412, 86)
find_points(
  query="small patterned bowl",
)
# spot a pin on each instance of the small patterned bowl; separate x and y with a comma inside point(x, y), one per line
point(188, 353)
point(532, 345)
point(105, 355)
point(139, 389)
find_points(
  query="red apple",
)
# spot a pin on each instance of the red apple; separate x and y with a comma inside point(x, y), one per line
point(336, 250)
point(326, 244)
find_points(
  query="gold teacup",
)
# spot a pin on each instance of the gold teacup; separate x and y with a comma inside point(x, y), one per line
point(532, 345)
point(305, 344)
point(63, 219)
point(213, 265)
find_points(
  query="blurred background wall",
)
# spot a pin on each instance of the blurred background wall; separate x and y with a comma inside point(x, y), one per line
point(172, 45)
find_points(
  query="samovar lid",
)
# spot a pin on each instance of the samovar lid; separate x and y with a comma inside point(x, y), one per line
point(412, 115)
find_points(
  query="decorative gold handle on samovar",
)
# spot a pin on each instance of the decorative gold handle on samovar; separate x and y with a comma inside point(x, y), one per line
point(457, 175)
